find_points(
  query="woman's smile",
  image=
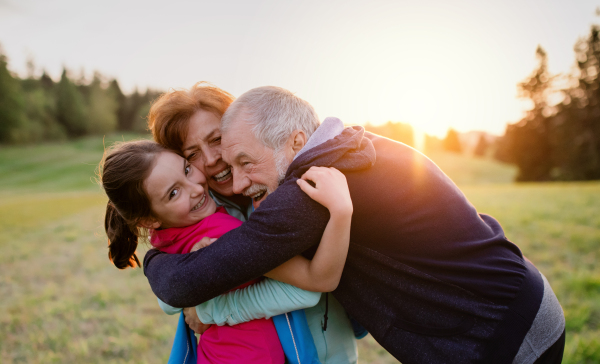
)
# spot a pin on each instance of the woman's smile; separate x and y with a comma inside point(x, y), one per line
point(224, 176)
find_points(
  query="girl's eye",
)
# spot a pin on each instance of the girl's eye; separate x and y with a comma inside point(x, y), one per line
point(173, 193)
point(187, 170)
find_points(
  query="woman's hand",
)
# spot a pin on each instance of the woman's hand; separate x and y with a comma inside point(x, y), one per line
point(330, 190)
point(206, 241)
point(191, 318)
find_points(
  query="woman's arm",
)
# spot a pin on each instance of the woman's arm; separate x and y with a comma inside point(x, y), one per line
point(264, 299)
point(169, 310)
point(323, 272)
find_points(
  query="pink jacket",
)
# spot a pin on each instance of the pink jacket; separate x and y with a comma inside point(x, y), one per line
point(255, 341)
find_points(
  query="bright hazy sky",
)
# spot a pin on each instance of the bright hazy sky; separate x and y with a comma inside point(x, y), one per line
point(432, 63)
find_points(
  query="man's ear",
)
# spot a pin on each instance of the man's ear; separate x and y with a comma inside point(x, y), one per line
point(149, 223)
point(297, 141)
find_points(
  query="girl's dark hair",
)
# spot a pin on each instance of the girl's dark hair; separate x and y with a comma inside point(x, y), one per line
point(123, 170)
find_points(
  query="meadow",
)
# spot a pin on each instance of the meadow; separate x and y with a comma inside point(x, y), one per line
point(64, 302)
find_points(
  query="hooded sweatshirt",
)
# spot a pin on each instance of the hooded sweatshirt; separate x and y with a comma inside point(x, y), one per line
point(431, 279)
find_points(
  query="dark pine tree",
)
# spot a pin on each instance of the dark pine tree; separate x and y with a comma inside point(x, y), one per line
point(482, 146)
point(70, 107)
point(527, 143)
point(12, 105)
point(122, 112)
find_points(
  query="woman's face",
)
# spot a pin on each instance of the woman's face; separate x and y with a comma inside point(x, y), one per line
point(202, 148)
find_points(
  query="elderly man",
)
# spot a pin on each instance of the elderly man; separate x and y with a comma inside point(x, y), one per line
point(431, 279)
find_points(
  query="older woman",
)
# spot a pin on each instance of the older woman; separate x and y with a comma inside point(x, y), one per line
point(188, 122)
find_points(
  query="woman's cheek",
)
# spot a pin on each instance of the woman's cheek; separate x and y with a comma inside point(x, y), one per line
point(199, 164)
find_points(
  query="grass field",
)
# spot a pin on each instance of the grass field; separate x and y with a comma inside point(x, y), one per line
point(64, 302)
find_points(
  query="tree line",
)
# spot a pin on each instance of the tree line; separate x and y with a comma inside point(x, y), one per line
point(559, 141)
point(35, 109)
point(554, 141)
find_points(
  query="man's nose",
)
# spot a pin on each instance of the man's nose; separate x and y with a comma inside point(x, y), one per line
point(240, 182)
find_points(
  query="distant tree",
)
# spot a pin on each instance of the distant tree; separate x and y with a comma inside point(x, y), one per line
point(41, 111)
point(482, 146)
point(102, 107)
point(71, 110)
point(46, 81)
point(578, 126)
point(432, 144)
point(537, 85)
point(400, 132)
point(451, 142)
point(122, 112)
point(140, 123)
point(34, 109)
point(12, 106)
point(527, 143)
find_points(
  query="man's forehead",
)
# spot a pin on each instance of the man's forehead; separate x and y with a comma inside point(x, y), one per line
point(236, 133)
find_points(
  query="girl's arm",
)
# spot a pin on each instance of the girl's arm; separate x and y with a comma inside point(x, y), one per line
point(323, 272)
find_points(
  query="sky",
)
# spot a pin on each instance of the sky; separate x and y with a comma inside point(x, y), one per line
point(434, 64)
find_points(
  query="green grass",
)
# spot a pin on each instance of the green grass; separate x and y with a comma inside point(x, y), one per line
point(466, 170)
point(64, 302)
point(54, 167)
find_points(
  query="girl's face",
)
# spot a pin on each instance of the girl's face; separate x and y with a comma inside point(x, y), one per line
point(202, 147)
point(178, 193)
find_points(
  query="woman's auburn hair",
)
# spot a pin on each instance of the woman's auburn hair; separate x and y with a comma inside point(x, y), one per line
point(171, 112)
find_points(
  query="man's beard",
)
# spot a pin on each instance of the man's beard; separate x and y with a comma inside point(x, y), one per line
point(281, 164)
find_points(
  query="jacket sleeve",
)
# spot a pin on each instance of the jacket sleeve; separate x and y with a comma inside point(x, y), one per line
point(169, 310)
point(264, 299)
point(287, 223)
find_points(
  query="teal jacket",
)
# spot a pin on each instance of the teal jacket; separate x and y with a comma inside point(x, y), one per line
point(270, 298)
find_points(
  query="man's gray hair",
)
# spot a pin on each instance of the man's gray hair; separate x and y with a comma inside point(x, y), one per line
point(275, 113)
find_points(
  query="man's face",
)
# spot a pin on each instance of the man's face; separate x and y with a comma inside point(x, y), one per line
point(256, 169)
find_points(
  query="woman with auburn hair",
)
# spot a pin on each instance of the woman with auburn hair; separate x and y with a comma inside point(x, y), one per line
point(188, 122)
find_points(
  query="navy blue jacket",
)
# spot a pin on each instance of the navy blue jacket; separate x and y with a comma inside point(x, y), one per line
point(431, 279)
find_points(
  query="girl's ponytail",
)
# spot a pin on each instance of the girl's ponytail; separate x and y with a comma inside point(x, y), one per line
point(122, 172)
point(122, 242)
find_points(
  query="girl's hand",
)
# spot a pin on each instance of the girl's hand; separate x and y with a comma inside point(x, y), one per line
point(331, 189)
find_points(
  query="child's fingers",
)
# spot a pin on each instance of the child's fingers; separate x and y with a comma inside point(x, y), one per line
point(306, 187)
point(315, 174)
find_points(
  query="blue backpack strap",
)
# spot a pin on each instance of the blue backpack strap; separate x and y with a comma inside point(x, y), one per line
point(295, 337)
point(184, 350)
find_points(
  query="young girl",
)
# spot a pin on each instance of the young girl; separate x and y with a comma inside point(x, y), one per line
point(152, 188)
